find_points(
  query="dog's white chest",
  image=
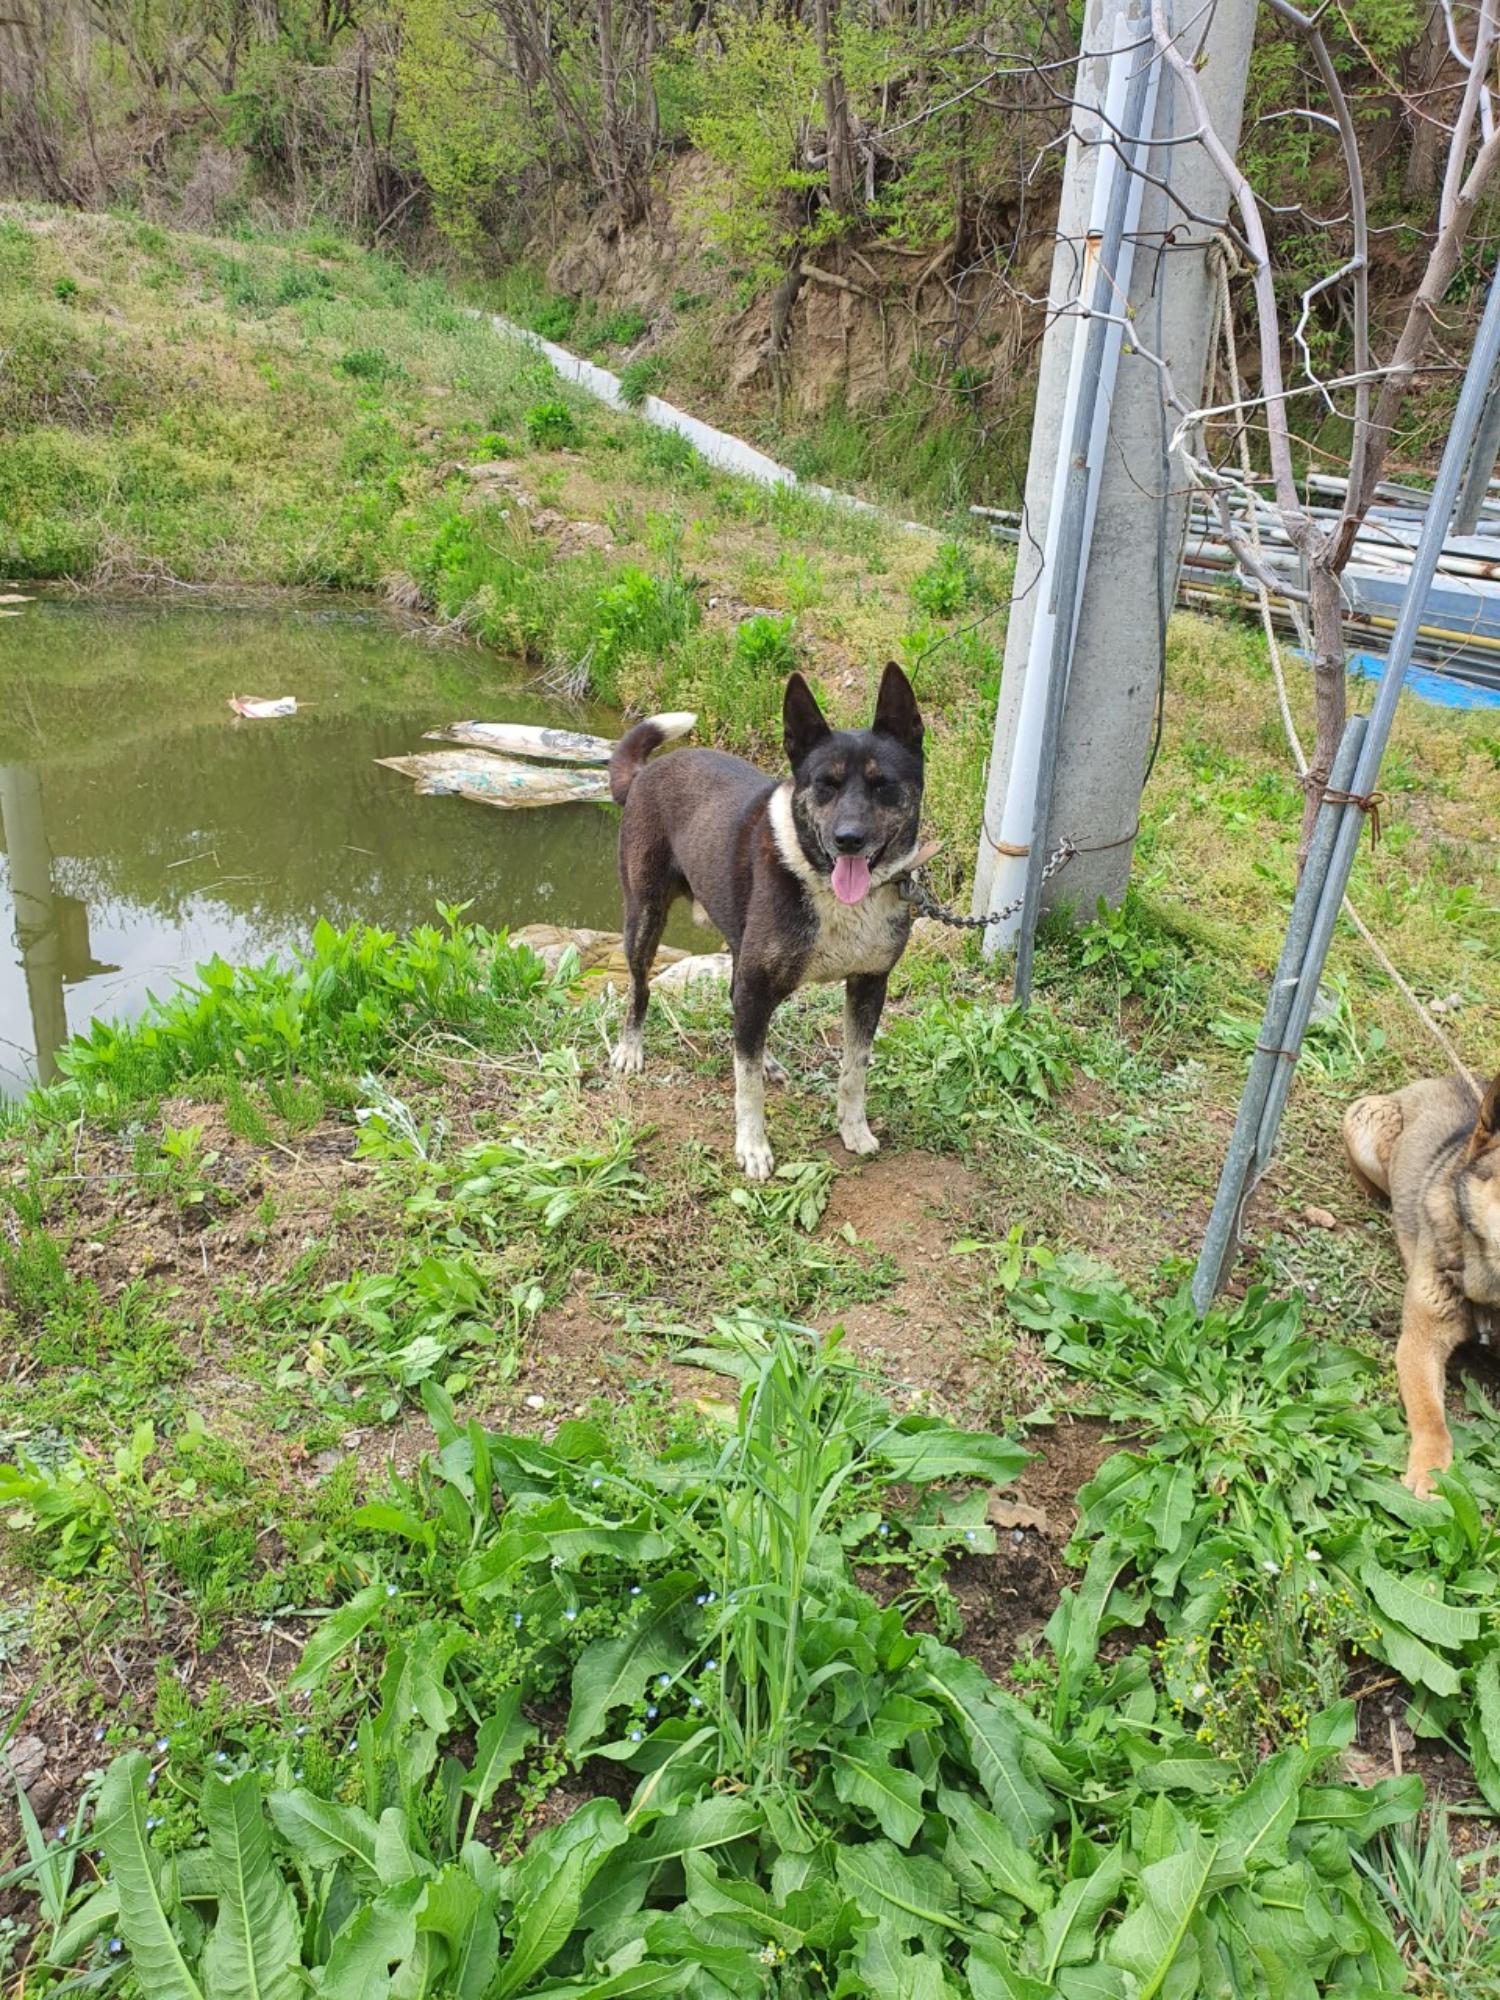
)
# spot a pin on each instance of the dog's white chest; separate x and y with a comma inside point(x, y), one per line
point(852, 938)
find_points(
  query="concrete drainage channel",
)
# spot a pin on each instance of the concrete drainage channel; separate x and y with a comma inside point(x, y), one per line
point(728, 454)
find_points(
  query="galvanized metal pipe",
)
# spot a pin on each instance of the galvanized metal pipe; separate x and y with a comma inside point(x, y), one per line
point(1243, 1161)
point(1326, 897)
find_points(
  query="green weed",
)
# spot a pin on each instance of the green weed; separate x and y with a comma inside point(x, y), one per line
point(339, 1009)
point(641, 378)
point(1447, 1905)
point(1271, 1459)
point(552, 426)
point(960, 1066)
point(808, 1783)
point(949, 585)
point(367, 364)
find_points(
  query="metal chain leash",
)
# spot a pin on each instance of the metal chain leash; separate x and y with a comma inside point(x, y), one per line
point(927, 904)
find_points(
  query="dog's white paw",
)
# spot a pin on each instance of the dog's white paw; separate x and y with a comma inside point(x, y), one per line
point(775, 1072)
point(755, 1158)
point(859, 1139)
point(628, 1056)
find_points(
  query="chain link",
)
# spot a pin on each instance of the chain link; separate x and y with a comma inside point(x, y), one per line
point(927, 904)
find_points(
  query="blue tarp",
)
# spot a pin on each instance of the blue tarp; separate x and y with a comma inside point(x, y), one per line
point(1440, 689)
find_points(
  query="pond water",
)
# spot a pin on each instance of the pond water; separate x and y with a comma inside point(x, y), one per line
point(145, 827)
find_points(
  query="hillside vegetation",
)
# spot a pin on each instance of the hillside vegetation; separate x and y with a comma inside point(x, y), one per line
point(832, 222)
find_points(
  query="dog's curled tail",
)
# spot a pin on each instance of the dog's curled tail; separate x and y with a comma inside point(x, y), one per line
point(630, 753)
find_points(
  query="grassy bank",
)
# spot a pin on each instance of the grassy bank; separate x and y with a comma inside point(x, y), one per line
point(921, 449)
point(446, 1542)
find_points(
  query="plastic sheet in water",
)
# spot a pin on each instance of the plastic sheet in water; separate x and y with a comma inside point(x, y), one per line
point(497, 781)
point(554, 746)
point(258, 709)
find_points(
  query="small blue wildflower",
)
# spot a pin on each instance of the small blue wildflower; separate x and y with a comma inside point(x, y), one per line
point(352, 1746)
point(652, 1712)
point(570, 1614)
point(635, 1590)
point(516, 1621)
point(61, 1834)
point(300, 1730)
point(664, 1680)
point(161, 1743)
point(710, 1666)
point(635, 1736)
point(884, 1529)
point(710, 1597)
point(697, 1703)
point(700, 1600)
point(99, 1734)
point(152, 1825)
point(150, 1778)
point(968, 1534)
point(596, 1484)
point(297, 1776)
point(221, 1756)
point(116, 1946)
point(391, 1590)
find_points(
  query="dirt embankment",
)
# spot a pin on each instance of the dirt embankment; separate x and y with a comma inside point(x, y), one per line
point(848, 324)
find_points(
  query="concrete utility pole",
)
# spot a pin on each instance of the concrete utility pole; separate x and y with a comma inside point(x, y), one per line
point(1133, 547)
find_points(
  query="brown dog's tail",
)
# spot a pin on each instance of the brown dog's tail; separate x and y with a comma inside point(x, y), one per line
point(630, 753)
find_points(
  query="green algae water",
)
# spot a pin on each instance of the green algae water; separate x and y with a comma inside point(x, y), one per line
point(146, 828)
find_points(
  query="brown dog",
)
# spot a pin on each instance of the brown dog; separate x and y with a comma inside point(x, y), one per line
point(1440, 1166)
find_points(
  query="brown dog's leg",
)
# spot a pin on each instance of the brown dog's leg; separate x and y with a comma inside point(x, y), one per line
point(1434, 1321)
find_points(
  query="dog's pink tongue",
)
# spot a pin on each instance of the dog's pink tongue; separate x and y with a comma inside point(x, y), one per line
point(851, 878)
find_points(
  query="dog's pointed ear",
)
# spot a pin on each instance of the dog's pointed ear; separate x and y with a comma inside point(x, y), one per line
point(1487, 1124)
point(896, 711)
point(803, 726)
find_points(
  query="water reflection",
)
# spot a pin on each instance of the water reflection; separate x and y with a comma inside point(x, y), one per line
point(145, 829)
point(51, 930)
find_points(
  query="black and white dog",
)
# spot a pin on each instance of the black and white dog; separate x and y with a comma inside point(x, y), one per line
point(804, 879)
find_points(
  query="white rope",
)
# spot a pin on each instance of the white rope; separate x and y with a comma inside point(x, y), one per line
point(1224, 313)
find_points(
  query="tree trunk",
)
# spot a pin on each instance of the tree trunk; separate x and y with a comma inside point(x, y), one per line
point(1411, 345)
point(652, 109)
point(1429, 133)
point(782, 300)
point(841, 182)
point(609, 94)
point(1326, 603)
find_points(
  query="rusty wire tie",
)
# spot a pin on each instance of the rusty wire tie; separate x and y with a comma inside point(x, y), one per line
point(1369, 803)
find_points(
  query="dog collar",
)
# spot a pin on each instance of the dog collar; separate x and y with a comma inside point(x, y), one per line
point(904, 877)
